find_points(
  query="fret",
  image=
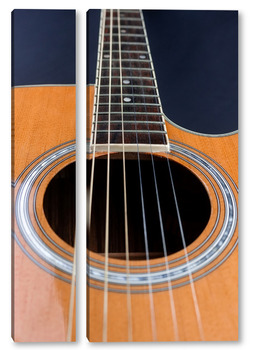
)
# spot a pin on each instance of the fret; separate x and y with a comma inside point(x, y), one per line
point(130, 19)
point(125, 104)
point(137, 21)
point(125, 60)
point(126, 43)
point(124, 14)
point(129, 77)
point(133, 117)
point(129, 147)
point(124, 46)
point(132, 138)
point(131, 131)
point(129, 15)
point(137, 113)
point(134, 82)
point(132, 91)
point(126, 51)
point(127, 68)
point(128, 127)
point(132, 95)
point(127, 18)
point(132, 11)
point(128, 10)
point(130, 40)
point(131, 74)
point(139, 100)
point(127, 65)
point(128, 109)
point(129, 122)
point(125, 27)
point(125, 34)
point(126, 87)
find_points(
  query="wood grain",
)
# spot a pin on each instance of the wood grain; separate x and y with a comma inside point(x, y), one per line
point(216, 292)
point(43, 117)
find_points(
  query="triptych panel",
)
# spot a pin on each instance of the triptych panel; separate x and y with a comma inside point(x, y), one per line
point(162, 176)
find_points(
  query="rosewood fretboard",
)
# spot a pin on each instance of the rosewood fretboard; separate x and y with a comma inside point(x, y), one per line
point(127, 107)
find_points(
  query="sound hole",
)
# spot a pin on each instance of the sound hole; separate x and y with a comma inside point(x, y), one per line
point(193, 200)
point(59, 203)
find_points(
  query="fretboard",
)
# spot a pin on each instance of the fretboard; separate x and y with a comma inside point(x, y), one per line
point(127, 107)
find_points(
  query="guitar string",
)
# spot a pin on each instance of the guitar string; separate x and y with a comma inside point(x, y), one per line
point(151, 299)
point(94, 136)
point(192, 285)
point(72, 298)
point(105, 301)
point(194, 295)
point(171, 297)
point(129, 307)
point(193, 290)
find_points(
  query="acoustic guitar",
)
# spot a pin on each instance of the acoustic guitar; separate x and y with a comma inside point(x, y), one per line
point(43, 175)
point(162, 206)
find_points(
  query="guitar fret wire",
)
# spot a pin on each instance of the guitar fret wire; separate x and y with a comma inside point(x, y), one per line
point(105, 301)
point(126, 60)
point(138, 113)
point(129, 27)
point(132, 131)
point(125, 68)
point(132, 11)
point(129, 310)
point(135, 95)
point(128, 43)
point(129, 122)
point(125, 34)
point(137, 86)
point(127, 51)
point(151, 301)
point(128, 104)
point(172, 304)
point(128, 19)
point(126, 77)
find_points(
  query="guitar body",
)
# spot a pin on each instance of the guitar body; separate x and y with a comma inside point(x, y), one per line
point(41, 293)
point(214, 286)
point(43, 165)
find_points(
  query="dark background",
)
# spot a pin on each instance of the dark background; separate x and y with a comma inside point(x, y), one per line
point(195, 56)
point(43, 47)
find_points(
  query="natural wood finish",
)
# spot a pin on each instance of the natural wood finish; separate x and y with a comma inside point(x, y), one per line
point(43, 118)
point(217, 292)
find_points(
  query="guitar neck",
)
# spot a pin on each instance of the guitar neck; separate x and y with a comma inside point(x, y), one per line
point(127, 107)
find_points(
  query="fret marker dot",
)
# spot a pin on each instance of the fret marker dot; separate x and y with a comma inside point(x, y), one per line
point(123, 31)
point(142, 56)
point(126, 81)
point(127, 99)
point(106, 56)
